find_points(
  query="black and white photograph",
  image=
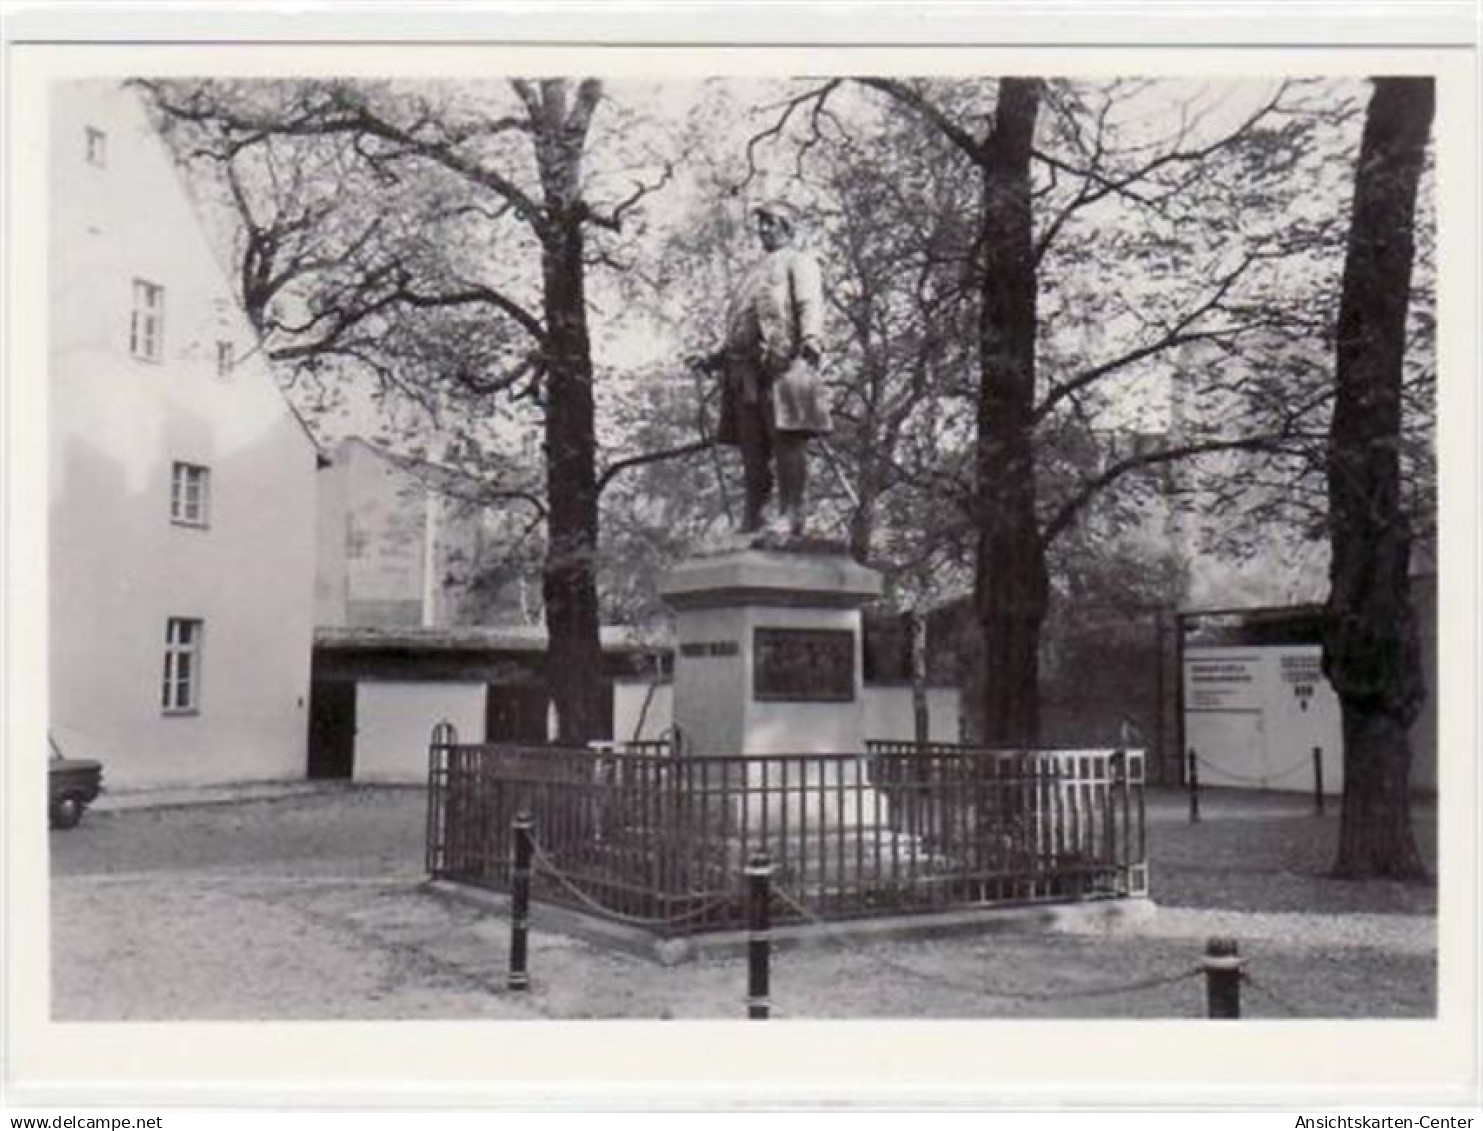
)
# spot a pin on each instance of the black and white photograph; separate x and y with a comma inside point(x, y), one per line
point(669, 535)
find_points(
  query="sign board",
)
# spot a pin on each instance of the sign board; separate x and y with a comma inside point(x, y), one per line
point(1301, 674)
point(698, 648)
point(1254, 714)
point(1223, 680)
point(804, 665)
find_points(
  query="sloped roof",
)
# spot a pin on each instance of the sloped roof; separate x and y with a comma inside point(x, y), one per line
point(480, 638)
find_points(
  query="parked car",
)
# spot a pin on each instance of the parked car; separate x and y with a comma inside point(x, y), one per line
point(74, 784)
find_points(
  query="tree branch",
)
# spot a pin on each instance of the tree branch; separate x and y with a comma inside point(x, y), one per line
point(477, 293)
point(613, 470)
point(1176, 335)
point(1107, 185)
point(789, 107)
point(342, 111)
point(1066, 513)
point(976, 150)
point(613, 221)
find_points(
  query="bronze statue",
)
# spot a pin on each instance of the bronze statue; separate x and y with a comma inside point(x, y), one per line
point(771, 391)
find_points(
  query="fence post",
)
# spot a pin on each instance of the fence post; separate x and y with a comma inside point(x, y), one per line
point(440, 789)
point(1193, 778)
point(438, 772)
point(1222, 966)
point(1318, 780)
point(522, 829)
point(759, 936)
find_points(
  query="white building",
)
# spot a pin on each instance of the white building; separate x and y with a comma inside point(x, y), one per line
point(405, 543)
point(181, 484)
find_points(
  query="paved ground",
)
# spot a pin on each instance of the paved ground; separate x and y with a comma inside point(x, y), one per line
point(303, 903)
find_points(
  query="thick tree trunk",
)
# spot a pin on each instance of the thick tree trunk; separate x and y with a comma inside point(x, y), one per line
point(574, 673)
point(569, 582)
point(1010, 578)
point(1375, 836)
point(1371, 650)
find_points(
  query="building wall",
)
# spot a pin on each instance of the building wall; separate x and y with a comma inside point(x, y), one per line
point(119, 567)
point(629, 699)
point(889, 715)
point(399, 551)
point(394, 723)
point(385, 516)
point(331, 529)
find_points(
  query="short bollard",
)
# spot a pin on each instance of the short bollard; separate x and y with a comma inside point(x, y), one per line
point(1222, 968)
point(1194, 787)
point(759, 936)
point(1318, 780)
point(522, 830)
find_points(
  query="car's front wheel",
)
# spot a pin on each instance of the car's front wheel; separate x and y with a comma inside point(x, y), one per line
point(66, 812)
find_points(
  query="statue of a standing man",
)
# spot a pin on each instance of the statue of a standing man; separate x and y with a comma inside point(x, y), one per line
point(771, 392)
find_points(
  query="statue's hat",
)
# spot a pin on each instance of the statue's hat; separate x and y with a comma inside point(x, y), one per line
point(779, 209)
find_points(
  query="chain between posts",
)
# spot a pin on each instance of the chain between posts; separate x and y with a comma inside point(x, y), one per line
point(1261, 989)
point(993, 991)
point(1195, 760)
point(1277, 775)
point(546, 866)
point(1222, 966)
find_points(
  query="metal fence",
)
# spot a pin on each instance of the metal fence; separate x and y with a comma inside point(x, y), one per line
point(661, 841)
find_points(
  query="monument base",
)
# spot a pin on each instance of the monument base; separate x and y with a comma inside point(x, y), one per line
point(769, 656)
point(769, 663)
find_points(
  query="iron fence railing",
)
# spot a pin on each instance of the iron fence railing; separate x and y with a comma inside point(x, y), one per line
point(661, 841)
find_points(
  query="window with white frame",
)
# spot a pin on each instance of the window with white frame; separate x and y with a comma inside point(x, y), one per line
point(181, 693)
point(190, 494)
point(225, 359)
point(147, 327)
point(96, 147)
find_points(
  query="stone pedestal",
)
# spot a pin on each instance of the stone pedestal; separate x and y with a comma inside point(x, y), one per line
point(769, 652)
point(769, 662)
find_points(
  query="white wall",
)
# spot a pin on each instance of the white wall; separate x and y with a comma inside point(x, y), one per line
point(331, 534)
point(888, 714)
point(386, 516)
point(628, 706)
point(394, 723)
point(118, 567)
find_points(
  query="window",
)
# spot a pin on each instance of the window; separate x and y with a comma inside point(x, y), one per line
point(147, 329)
point(224, 359)
point(97, 147)
point(181, 693)
point(190, 494)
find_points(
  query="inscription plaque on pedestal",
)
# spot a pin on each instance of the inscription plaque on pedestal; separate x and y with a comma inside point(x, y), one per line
point(804, 665)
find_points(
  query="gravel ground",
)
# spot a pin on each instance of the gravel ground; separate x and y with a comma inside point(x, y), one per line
point(310, 906)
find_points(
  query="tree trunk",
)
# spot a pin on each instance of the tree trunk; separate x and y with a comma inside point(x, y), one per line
point(1371, 649)
point(574, 672)
point(1010, 576)
point(569, 582)
point(1375, 836)
point(921, 717)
